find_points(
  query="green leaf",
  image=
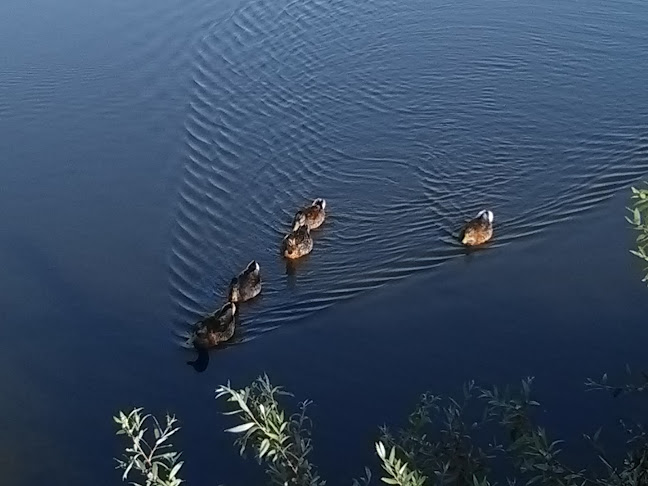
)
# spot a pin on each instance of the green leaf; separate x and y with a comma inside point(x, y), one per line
point(241, 428)
point(380, 450)
point(596, 435)
point(389, 480)
point(175, 469)
point(127, 470)
point(265, 445)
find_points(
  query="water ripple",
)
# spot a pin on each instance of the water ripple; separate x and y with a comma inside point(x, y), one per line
point(404, 130)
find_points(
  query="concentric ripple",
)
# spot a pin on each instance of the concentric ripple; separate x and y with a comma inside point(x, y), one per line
point(407, 119)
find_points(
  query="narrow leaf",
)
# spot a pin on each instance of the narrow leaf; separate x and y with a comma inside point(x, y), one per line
point(175, 470)
point(389, 480)
point(241, 428)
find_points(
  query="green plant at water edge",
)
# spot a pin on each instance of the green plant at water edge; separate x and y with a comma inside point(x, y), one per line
point(438, 438)
point(639, 219)
point(282, 443)
point(634, 384)
point(487, 434)
point(446, 439)
point(398, 471)
point(150, 455)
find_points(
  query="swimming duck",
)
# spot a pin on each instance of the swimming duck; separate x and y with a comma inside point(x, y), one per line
point(478, 230)
point(298, 242)
point(314, 214)
point(247, 285)
point(216, 328)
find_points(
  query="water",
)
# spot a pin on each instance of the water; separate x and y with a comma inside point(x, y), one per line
point(151, 149)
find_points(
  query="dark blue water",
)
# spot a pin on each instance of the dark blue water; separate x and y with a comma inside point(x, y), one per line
point(151, 149)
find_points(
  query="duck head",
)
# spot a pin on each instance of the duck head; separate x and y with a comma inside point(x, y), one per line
point(299, 221)
point(228, 311)
point(467, 239)
point(289, 246)
point(233, 292)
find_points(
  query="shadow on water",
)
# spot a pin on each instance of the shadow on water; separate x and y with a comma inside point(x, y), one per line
point(201, 362)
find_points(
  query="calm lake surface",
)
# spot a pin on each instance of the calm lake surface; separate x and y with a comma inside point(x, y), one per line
point(151, 149)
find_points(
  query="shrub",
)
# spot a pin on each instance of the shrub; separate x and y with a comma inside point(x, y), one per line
point(149, 452)
point(639, 220)
point(444, 441)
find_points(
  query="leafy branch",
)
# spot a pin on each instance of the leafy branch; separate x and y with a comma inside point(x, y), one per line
point(635, 383)
point(283, 444)
point(533, 455)
point(639, 220)
point(152, 457)
point(398, 471)
point(443, 442)
point(439, 439)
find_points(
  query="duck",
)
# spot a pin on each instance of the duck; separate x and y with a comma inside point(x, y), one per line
point(216, 328)
point(478, 230)
point(298, 242)
point(315, 213)
point(246, 285)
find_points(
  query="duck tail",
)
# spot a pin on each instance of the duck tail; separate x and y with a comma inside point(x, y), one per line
point(486, 214)
point(253, 266)
point(319, 202)
point(233, 291)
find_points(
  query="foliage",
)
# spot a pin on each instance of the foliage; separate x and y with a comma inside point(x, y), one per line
point(438, 439)
point(440, 444)
point(639, 219)
point(635, 383)
point(399, 471)
point(157, 464)
point(444, 441)
point(282, 444)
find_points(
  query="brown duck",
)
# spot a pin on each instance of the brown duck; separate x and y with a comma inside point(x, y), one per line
point(315, 214)
point(478, 230)
point(298, 242)
point(216, 328)
point(247, 285)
